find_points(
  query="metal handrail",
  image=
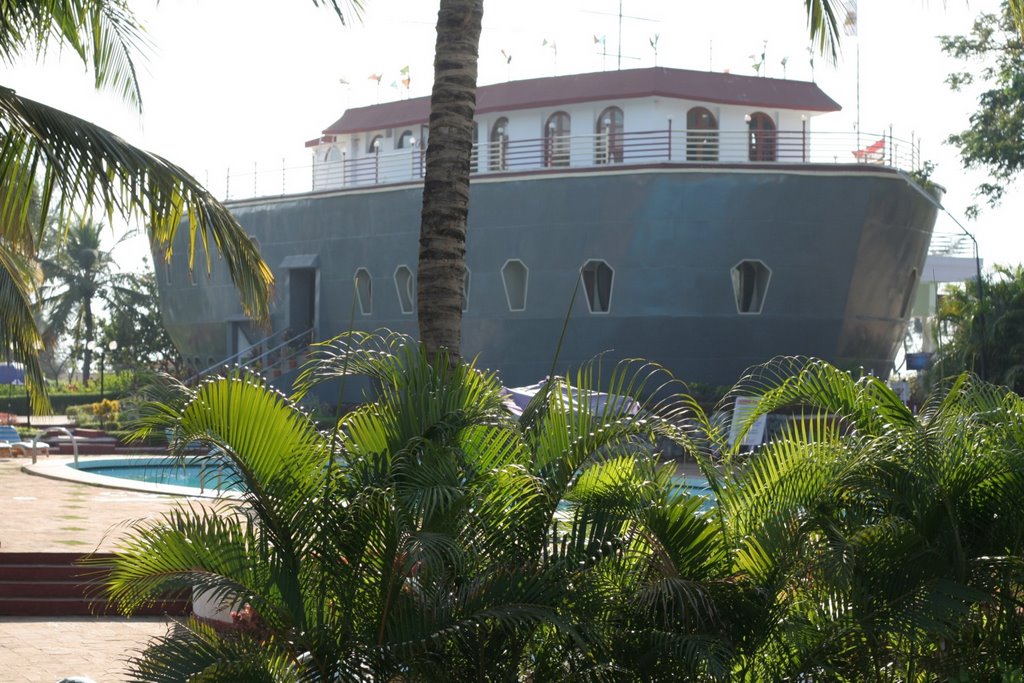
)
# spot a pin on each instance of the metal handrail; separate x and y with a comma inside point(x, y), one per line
point(589, 150)
point(267, 348)
point(74, 443)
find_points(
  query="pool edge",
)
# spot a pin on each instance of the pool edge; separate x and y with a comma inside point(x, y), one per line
point(57, 468)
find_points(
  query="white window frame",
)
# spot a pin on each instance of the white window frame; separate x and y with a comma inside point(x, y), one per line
point(526, 284)
point(410, 289)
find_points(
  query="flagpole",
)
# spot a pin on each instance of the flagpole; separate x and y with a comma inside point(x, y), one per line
point(858, 91)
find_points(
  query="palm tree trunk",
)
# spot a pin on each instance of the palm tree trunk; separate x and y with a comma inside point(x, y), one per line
point(88, 338)
point(442, 257)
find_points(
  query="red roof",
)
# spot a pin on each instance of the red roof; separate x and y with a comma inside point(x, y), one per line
point(556, 91)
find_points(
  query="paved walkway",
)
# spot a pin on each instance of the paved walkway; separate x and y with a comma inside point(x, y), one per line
point(40, 514)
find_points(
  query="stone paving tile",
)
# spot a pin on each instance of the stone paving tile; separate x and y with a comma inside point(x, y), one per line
point(41, 514)
point(48, 650)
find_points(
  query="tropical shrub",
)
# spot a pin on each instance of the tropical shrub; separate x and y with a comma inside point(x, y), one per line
point(431, 534)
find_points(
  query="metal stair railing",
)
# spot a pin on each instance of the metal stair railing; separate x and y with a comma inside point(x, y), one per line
point(266, 354)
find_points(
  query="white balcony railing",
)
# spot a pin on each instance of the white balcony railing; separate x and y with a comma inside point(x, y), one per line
point(575, 152)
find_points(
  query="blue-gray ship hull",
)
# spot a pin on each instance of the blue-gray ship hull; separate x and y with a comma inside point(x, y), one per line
point(840, 252)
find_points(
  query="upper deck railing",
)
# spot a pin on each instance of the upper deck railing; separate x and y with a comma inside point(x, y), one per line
point(556, 153)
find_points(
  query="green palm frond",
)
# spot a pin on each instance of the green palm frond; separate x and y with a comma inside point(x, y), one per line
point(102, 33)
point(823, 22)
point(195, 652)
point(18, 333)
point(83, 165)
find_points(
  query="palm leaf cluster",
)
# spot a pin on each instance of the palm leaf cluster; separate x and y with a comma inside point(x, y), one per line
point(430, 534)
point(890, 543)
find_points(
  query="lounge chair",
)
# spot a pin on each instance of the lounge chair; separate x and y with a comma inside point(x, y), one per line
point(10, 439)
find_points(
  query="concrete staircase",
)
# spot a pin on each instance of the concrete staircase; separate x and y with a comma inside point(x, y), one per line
point(56, 585)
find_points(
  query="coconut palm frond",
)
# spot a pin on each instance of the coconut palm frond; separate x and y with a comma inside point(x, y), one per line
point(823, 23)
point(19, 334)
point(82, 164)
point(102, 33)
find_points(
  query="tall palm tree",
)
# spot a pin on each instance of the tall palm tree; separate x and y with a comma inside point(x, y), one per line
point(443, 225)
point(77, 165)
point(442, 256)
point(77, 272)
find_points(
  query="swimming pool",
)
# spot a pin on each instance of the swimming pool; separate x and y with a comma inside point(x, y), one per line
point(203, 473)
point(208, 476)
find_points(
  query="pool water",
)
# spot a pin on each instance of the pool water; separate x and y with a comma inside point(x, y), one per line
point(217, 474)
point(207, 474)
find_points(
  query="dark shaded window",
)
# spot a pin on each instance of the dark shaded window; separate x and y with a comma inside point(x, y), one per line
point(375, 145)
point(701, 135)
point(610, 129)
point(597, 283)
point(497, 154)
point(750, 285)
point(762, 142)
point(556, 139)
point(364, 291)
point(515, 276)
point(405, 140)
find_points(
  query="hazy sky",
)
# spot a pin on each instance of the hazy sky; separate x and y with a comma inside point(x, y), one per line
point(230, 82)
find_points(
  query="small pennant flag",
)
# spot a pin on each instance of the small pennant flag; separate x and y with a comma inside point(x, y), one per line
point(404, 70)
point(376, 77)
point(599, 40)
point(507, 56)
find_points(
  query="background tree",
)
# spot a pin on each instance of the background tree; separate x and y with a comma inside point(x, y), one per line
point(993, 141)
point(135, 323)
point(968, 329)
point(79, 166)
point(78, 274)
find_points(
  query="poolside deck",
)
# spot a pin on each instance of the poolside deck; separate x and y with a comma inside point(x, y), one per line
point(48, 515)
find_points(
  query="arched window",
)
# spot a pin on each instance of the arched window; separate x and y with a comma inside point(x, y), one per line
point(329, 173)
point(762, 137)
point(405, 140)
point(701, 135)
point(609, 128)
point(597, 283)
point(405, 283)
point(515, 276)
point(375, 144)
point(556, 139)
point(364, 291)
point(498, 151)
point(750, 279)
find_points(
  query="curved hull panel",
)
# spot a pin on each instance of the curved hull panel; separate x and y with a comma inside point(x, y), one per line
point(840, 250)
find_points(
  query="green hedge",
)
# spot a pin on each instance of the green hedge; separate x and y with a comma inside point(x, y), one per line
point(18, 404)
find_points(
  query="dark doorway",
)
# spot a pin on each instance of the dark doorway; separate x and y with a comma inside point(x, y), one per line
point(301, 299)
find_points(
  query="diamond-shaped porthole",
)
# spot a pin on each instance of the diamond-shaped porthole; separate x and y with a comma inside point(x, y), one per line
point(750, 278)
